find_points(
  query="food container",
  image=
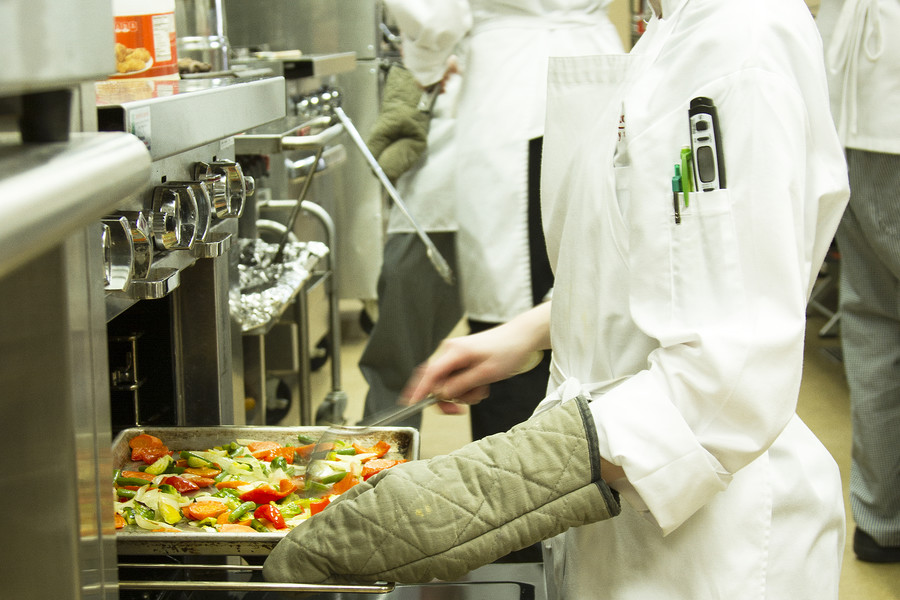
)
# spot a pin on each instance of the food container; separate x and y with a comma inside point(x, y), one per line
point(132, 540)
point(145, 39)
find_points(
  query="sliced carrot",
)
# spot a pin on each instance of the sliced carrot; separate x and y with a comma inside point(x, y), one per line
point(144, 440)
point(138, 475)
point(236, 528)
point(203, 471)
point(120, 521)
point(204, 509)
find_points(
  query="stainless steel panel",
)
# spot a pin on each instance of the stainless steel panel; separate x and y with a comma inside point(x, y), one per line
point(55, 402)
point(175, 116)
point(50, 189)
point(312, 26)
point(48, 44)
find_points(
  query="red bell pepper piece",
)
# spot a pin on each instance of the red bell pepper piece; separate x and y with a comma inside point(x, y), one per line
point(265, 493)
point(270, 513)
point(149, 454)
point(318, 506)
point(377, 465)
point(263, 450)
point(180, 484)
point(379, 449)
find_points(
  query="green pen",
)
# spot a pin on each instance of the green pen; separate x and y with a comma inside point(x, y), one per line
point(676, 189)
point(687, 175)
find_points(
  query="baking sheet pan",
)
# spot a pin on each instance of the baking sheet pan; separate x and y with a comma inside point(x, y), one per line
point(132, 540)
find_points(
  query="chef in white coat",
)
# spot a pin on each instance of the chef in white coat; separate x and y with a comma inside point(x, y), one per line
point(677, 325)
point(502, 257)
point(686, 329)
point(862, 49)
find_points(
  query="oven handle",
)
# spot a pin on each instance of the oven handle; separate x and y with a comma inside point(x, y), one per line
point(311, 142)
point(332, 156)
point(241, 586)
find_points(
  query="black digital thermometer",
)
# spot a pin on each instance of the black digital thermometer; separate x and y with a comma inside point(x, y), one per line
point(706, 145)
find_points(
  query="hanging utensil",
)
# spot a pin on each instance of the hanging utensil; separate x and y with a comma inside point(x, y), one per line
point(434, 255)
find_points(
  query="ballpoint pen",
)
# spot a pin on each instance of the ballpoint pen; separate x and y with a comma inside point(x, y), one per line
point(676, 189)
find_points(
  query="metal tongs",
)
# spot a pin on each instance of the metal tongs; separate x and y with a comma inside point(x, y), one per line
point(325, 443)
point(437, 260)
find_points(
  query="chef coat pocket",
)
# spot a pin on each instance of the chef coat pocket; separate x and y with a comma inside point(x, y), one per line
point(707, 280)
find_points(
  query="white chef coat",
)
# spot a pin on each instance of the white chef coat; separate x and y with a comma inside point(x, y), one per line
point(861, 50)
point(690, 336)
point(501, 106)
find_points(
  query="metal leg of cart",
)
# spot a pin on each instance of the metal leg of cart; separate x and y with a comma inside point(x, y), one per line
point(331, 411)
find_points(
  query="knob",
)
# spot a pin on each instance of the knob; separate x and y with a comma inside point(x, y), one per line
point(227, 186)
point(173, 220)
point(141, 242)
point(203, 200)
point(118, 254)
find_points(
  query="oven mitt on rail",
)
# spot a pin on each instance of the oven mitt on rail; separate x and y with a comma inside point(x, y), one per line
point(443, 517)
point(399, 135)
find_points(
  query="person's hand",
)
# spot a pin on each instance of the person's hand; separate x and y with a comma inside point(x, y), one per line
point(462, 368)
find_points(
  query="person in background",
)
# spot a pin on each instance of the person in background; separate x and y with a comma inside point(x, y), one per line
point(863, 56)
point(416, 307)
point(503, 264)
point(668, 460)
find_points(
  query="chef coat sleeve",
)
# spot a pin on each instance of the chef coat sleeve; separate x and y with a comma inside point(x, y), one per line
point(430, 31)
point(724, 292)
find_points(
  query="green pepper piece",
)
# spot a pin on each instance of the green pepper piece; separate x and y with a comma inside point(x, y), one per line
point(160, 465)
point(195, 461)
point(165, 488)
point(292, 509)
point(128, 514)
point(334, 477)
point(279, 462)
point(123, 493)
point(131, 481)
point(316, 487)
point(241, 510)
point(258, 526)
point(145, 511)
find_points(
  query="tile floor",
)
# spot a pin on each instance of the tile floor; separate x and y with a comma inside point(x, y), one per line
point(823, 405)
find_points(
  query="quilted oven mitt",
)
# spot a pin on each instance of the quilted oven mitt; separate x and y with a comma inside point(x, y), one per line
point(443, 517)
point(399, 136)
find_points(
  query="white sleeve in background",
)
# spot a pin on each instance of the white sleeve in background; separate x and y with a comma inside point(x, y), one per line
point(430, 32)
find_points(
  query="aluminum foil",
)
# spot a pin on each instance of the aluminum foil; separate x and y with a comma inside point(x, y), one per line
point(268, 287)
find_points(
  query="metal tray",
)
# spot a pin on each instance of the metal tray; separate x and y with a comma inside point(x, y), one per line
point(132, 540)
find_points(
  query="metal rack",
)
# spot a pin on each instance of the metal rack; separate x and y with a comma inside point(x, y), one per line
point(303, 327)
